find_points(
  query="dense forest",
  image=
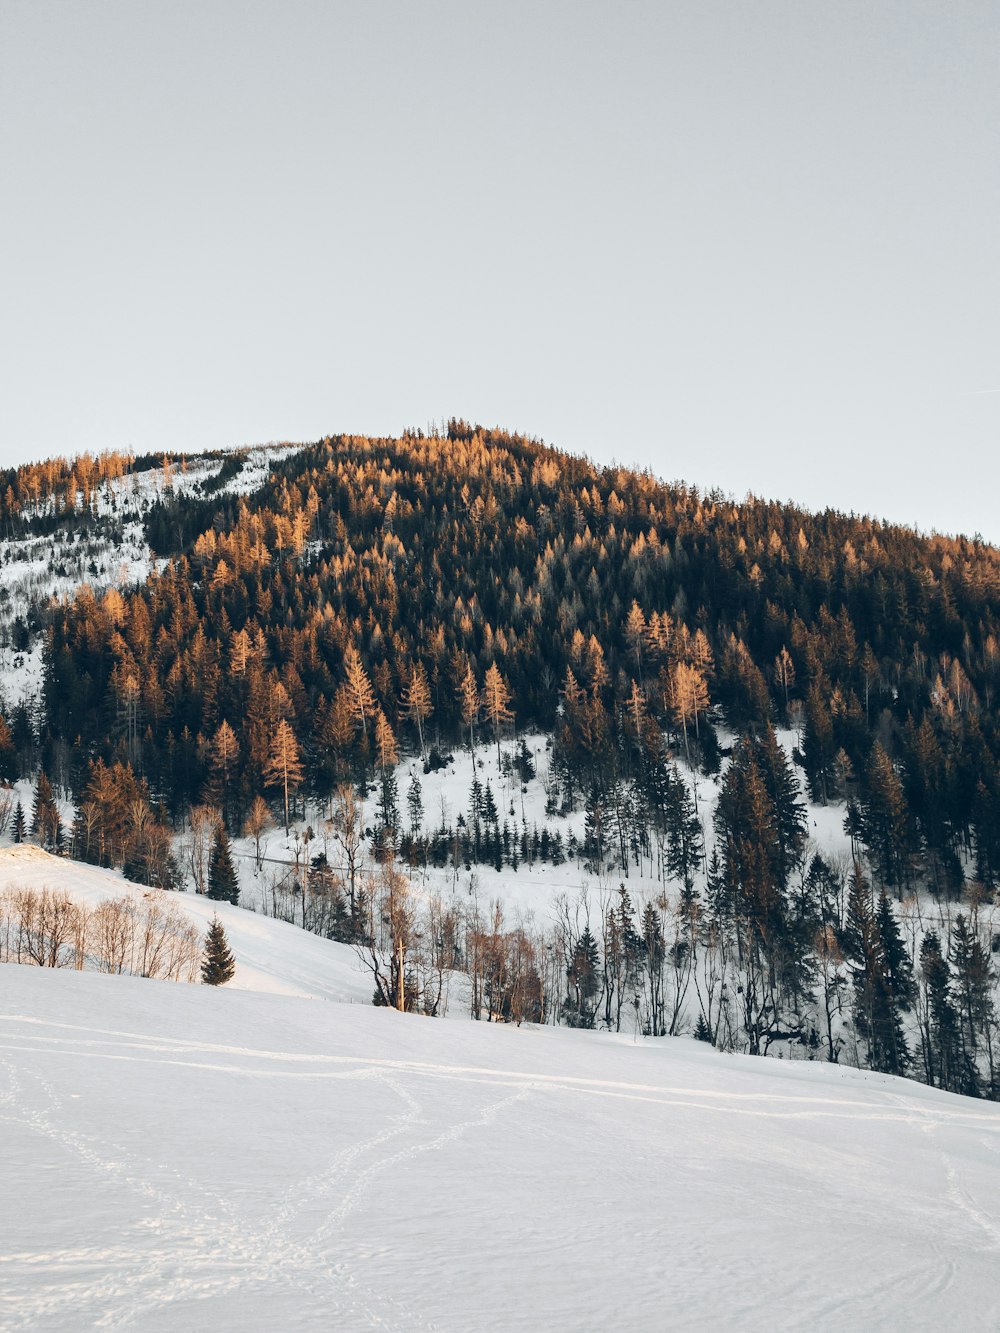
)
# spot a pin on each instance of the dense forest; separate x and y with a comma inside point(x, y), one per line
point(445, 591)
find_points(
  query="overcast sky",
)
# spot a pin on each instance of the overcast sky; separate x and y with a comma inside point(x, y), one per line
point(751, 245)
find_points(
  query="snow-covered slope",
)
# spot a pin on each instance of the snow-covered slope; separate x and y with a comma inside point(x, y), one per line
point(177, 1157)
point(270, 955)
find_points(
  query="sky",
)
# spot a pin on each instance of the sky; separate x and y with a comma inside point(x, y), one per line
point(751, 245)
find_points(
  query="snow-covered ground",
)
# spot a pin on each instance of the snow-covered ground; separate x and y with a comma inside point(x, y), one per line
point(177, 1157)
point(271, 955)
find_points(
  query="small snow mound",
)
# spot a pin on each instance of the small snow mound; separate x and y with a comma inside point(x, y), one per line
point(27, 851)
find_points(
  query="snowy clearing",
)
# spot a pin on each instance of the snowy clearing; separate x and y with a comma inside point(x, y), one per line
point(190, 1158)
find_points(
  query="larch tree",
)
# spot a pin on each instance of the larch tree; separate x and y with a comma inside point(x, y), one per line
point(284, 765)
point(416, 700)
point(257, 822)
point(689, 698)
point(225, 753)
point(469, 702)
point(359, 688)
point(496, 701)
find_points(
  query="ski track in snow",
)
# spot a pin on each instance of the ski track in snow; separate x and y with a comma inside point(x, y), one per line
point(206, 1246)
point(200, 1230)
point(182, 1242)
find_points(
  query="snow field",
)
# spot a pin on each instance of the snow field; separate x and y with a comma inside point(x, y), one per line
point(188, 1158)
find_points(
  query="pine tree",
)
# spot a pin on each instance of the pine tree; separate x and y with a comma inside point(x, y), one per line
point(20, 830)
point(940, 1023)
point(223, 883)
point(218, 964)
point(414, 805)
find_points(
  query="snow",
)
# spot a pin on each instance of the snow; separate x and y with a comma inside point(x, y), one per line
point(271, 956)
point(184, 1157)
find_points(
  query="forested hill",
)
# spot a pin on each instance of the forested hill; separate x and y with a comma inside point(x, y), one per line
point(611, 606)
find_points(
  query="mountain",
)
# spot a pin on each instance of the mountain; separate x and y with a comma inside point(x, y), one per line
point(618, 753)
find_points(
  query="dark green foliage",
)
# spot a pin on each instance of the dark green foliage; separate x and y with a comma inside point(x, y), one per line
point(223, 882)
point(702, 1032)
point(881, 976)
point(584, 978)
point(9, 766)
point(20, 828)
point(218, 964)
point(46, 825)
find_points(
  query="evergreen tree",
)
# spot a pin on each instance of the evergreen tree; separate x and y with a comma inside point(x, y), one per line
point(885, 821)
point(223, 882)
point(943, 1061)
point(973, 986)
point(8, 754)
point(218, 964)
point(584, 977)
point(20, 830)
point(46, 826)
point(881, 985)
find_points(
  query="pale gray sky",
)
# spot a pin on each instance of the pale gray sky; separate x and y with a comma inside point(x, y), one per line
point(753, 245)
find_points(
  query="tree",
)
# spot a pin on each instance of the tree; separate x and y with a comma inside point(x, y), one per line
point(19, 830)
point(496, 701)
point(415, 806)
point(258, 821)
point(46, 825)
point(284, 764)
point(689, 697)
point(880, 974)
point(885, 820)
point(584, 977)
point(359, 689)
point(205, 822)
point(218, 964)
point(8, 754)
point(416, 699)
point(225, 752)
point(223, 882)
point(348, 827)
point(469, 702)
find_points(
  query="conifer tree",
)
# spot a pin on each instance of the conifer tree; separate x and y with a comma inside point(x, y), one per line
point(284, 765)
point(46, 826)
point(20, 830)
point(496, 701)
point(584, 977)
point(218, 964)
point(359, 688)
point(8, 754)
point(223, 882)
point(469, 702)
point(416, 701)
